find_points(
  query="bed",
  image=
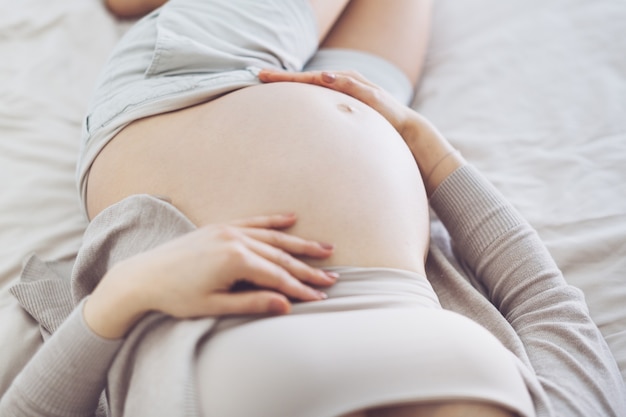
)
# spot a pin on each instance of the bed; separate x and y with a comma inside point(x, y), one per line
point(532, 92)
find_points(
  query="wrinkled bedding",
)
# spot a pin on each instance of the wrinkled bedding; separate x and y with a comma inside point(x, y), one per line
point(533, 93)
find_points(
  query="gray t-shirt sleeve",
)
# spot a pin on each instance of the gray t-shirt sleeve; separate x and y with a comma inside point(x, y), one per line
point(67, 375)
point(566, 349)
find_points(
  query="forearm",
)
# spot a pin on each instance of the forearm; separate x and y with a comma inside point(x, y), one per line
point(550, 317)
point(67, 375)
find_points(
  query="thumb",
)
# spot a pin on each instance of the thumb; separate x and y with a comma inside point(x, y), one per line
point(248, 302)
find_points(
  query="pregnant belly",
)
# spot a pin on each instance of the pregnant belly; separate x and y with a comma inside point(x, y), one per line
point(274, 148)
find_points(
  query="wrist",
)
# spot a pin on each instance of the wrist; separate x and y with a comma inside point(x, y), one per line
point(422, 137)
point(115, 306)
point(434, 155)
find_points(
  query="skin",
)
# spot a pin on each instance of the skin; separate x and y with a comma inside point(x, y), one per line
point(433, 153)
point(210, 261)
point(130, 9)
point(222, 254)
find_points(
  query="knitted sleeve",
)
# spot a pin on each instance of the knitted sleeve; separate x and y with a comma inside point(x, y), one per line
point(569, 355)
point(66, 376)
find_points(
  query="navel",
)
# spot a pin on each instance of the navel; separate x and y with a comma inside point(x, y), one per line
point(346, 107)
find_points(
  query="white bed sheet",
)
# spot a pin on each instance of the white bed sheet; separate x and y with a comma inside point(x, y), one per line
point(50, 54)
point(533, 92)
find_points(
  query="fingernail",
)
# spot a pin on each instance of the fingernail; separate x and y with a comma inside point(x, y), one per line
point(289, 215)
point(317, 294)
point(332, 275)
point(321, 295)
point(328, 77)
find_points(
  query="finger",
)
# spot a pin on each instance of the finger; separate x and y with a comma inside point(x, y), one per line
point(323, 78)
point(295, 267)
point(347, 82)
point(262, 272)
point(270, 75)
point(353, 84)
point(292, 244)
point(276, 221)
point(332, 76)
point(249, 302)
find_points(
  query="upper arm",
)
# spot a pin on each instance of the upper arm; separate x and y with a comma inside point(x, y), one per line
point(132, 8)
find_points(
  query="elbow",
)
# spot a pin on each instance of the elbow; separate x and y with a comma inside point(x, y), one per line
point(118, 8)
point(125, 9)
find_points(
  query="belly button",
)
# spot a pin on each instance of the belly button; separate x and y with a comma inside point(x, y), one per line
point(346, 107)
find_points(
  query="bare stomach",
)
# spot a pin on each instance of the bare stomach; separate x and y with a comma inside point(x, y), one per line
point(277, 148)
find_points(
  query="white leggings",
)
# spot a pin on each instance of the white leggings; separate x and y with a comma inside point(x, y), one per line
point(380, 338)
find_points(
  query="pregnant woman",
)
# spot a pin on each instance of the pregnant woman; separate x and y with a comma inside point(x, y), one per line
point(317, 302)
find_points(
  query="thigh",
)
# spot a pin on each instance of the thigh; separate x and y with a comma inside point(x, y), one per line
point(335, 363)
point(397, 31)
point(326, 13)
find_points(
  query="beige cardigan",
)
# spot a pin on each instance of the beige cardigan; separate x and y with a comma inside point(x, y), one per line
point(486, 263)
